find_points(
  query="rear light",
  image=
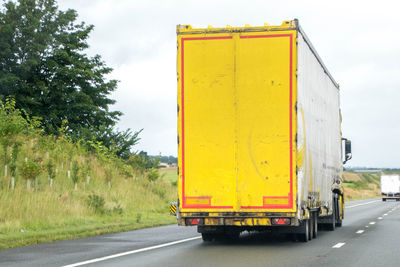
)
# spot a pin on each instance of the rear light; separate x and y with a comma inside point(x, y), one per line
point(280, 221)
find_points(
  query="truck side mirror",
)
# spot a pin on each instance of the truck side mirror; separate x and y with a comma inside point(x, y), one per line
point(347, 150)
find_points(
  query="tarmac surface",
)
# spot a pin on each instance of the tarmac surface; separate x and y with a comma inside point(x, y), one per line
point(369, 237)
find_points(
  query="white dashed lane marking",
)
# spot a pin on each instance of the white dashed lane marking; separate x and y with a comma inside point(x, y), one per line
point(339, 245)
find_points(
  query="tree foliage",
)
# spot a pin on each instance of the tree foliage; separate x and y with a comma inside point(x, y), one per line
point(44, 65)
point(118, 142)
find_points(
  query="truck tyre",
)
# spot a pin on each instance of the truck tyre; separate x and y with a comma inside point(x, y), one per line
point(304, 236)
point(332, 224)
point(311, 226)
point(384, 199)
point(338, 220)
point(315, 228)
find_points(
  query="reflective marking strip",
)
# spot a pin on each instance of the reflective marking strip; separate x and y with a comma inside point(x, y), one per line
point(380, 218)
point(372, 223)
point(385, 214)
point(172, 209)
point(339, 245)
point(362, 204)
point(360, 232)
point(131, 252)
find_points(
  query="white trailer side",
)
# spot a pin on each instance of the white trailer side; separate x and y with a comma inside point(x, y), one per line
point(318, 135)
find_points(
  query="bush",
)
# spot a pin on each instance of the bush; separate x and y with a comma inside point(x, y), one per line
point(50, 169)
point(153, 175)
point(96, 203)
point(138, 217)
point(12, 123)
point(75, 172)
point(30, 169)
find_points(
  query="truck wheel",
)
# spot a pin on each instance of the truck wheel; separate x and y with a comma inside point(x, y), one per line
point(305, 231)
point(315, 228)
point(207, 237)
point(383, 199)
point(332, 225)
point(311, 227)
point(338, 220)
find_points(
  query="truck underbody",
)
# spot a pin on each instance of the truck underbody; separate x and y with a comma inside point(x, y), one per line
point(229, 225)
point(394, 196)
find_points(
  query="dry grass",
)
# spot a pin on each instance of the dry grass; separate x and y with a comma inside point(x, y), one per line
point(360, 186)
point(351, 176)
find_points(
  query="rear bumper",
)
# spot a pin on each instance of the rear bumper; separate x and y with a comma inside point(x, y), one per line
point(390, 195)
point(234, 219)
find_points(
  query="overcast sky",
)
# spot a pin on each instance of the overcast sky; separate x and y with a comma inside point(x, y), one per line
point(359, 42)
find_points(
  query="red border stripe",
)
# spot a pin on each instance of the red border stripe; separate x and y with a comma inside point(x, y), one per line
point(265, 36)
point(184, 205)
point(290, 197)
point(273, 206)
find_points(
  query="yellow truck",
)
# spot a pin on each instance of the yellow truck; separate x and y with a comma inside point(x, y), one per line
point(259, 133)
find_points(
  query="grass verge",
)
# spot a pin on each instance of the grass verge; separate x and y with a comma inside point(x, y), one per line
point(81, 229)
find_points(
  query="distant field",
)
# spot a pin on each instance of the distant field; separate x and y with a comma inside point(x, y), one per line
point(169, 174)
point(361, 185)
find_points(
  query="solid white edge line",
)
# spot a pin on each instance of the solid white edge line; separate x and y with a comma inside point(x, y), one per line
point(339, 245)
point(131, 252)
point(360, 232)
point(362, 204)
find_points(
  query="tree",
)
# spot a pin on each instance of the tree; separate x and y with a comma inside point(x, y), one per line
point(44, 65)
point(118, 142)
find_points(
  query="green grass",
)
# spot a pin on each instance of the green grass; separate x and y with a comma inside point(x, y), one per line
point(170, 175)
point(81, 228)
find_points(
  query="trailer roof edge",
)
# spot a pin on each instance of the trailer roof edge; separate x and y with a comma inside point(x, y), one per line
point(314, 51)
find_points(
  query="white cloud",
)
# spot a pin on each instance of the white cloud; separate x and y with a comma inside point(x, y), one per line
point(357, 40)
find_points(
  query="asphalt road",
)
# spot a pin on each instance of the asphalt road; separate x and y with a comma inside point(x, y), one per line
point(370, 236)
